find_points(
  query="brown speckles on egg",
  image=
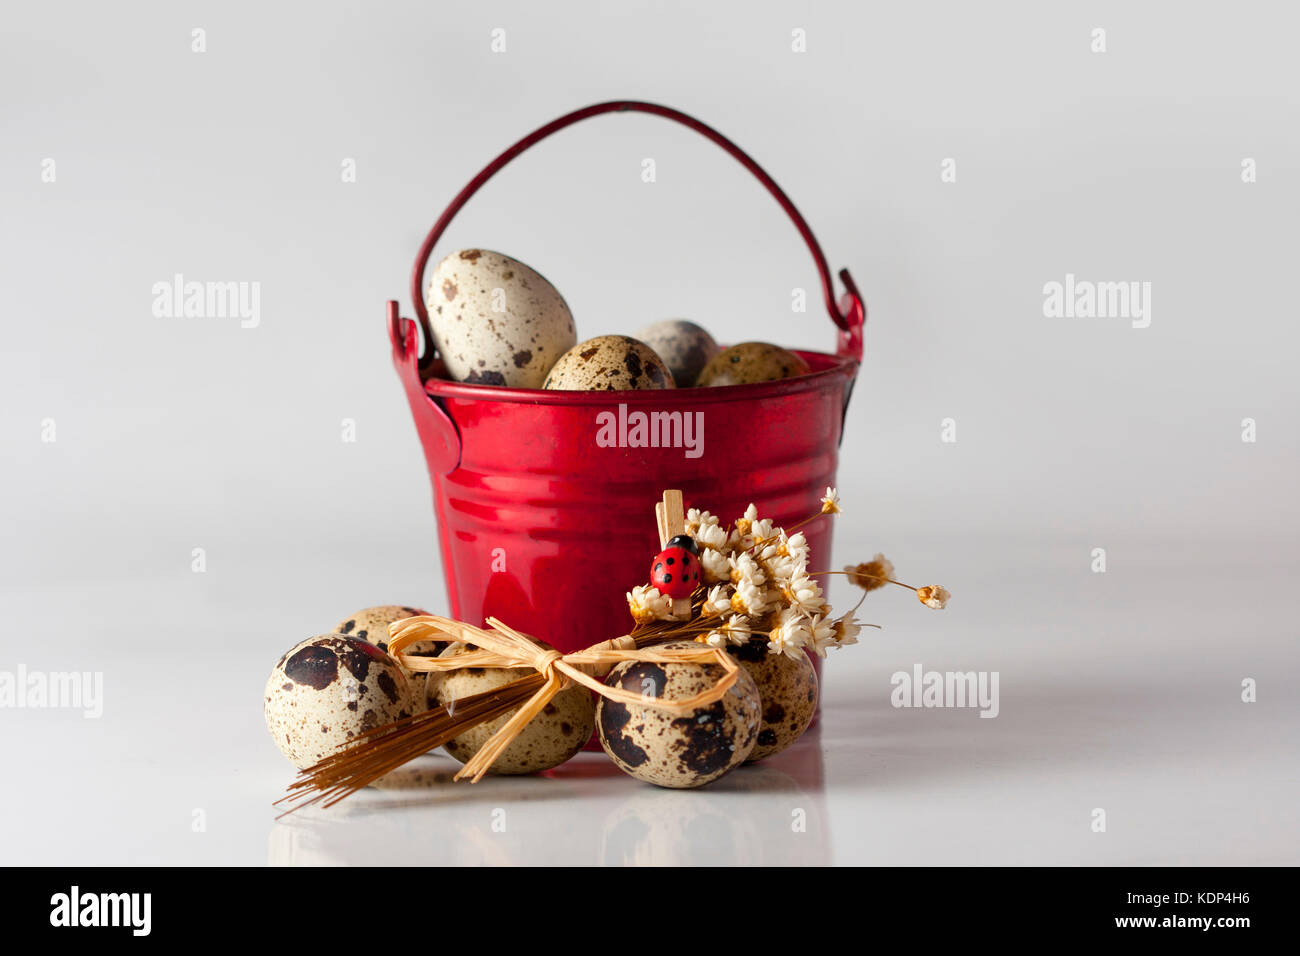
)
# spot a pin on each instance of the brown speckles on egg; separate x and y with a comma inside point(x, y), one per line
point(548, 740)
point(315, 702)
point(371, 626)
point(504, 326)
point(751, 362)
point(609, 363)
point(612, 718)
point(313, 666)
point(788, 689)
point(486, 378)
point(678, 751)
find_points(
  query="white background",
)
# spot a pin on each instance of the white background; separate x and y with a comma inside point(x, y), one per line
point(1119, 691)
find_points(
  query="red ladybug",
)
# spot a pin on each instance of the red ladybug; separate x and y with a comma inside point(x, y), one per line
point(675, 570)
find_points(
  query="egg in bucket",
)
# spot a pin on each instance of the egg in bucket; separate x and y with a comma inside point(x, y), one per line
point(541, 495)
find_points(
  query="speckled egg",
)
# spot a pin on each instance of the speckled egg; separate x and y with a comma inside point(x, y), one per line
point(787, 687)
point(751, 362)
point(326, 690)
point(562, 728)
point(495, 321)
point(684, 346)
point(610, 363)
point(671, 751)
point(371, 624)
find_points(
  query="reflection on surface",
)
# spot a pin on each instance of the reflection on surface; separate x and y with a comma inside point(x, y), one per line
point(586, 812)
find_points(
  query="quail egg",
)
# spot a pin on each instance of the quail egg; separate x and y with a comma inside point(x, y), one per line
point(609, 362)
point(562, 728)
point(495, 321)
point(751, 362)
point(787, 687)
point(684, 346)
point(327, 690)
point(673, 751)
point(371, 624)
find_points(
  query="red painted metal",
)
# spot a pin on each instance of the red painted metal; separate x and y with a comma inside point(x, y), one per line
point(541, 526)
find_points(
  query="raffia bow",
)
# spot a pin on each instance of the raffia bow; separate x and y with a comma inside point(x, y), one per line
point(503, 646)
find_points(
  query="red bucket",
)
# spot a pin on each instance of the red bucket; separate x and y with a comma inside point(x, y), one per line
point(542, 526)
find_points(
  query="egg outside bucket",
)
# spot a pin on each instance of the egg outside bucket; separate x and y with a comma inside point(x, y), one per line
point(541, 526)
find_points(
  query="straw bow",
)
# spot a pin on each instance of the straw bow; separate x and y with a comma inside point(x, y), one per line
point(503, 646)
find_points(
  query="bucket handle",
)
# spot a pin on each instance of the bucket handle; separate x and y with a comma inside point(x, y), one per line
point(848, 314)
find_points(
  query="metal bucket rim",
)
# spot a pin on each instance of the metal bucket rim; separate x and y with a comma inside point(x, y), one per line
point(836, 367)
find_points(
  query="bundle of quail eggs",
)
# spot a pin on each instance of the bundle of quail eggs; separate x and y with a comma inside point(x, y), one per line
point(328, 691)
point(495, 321)
point(755, 600)
point(760, 604)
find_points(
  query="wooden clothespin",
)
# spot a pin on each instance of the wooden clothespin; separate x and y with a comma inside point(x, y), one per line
point(671, 518)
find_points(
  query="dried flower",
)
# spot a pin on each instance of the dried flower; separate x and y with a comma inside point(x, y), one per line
point(933, 595)
point(746, 521)
point(831, 503)
point(804, 594)
point(745, 568)
point(782, 569)
point(790, 634)
point(872, 574)
point(734, 630)
point(712, 536)
point(749, 598)
point(647, 604)
point(847, 630)
point(716, 565)
point(821, 635)
point(697, 521)
point(796, 546)
point(717, 602)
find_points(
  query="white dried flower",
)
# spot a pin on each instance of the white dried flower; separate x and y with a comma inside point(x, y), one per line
point(745, 568)
point(716, 565)
point(790, 634)
point(647, 604)
point(713, 536)
point(796, 546)
point(821, 635)
point(831, 502)
point(847, 630)
point(782, 569)
point(749, 530)
point(749, 599)
point(698, 521)
point(748, 518)
point(934, 596)
point(734, 630)
point(737, 629)
point(716, 602)
point(804, 594)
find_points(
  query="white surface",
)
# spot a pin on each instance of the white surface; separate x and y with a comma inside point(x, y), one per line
point(1118, 690)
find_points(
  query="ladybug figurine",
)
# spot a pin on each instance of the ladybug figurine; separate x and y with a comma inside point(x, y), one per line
point(675, 570)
